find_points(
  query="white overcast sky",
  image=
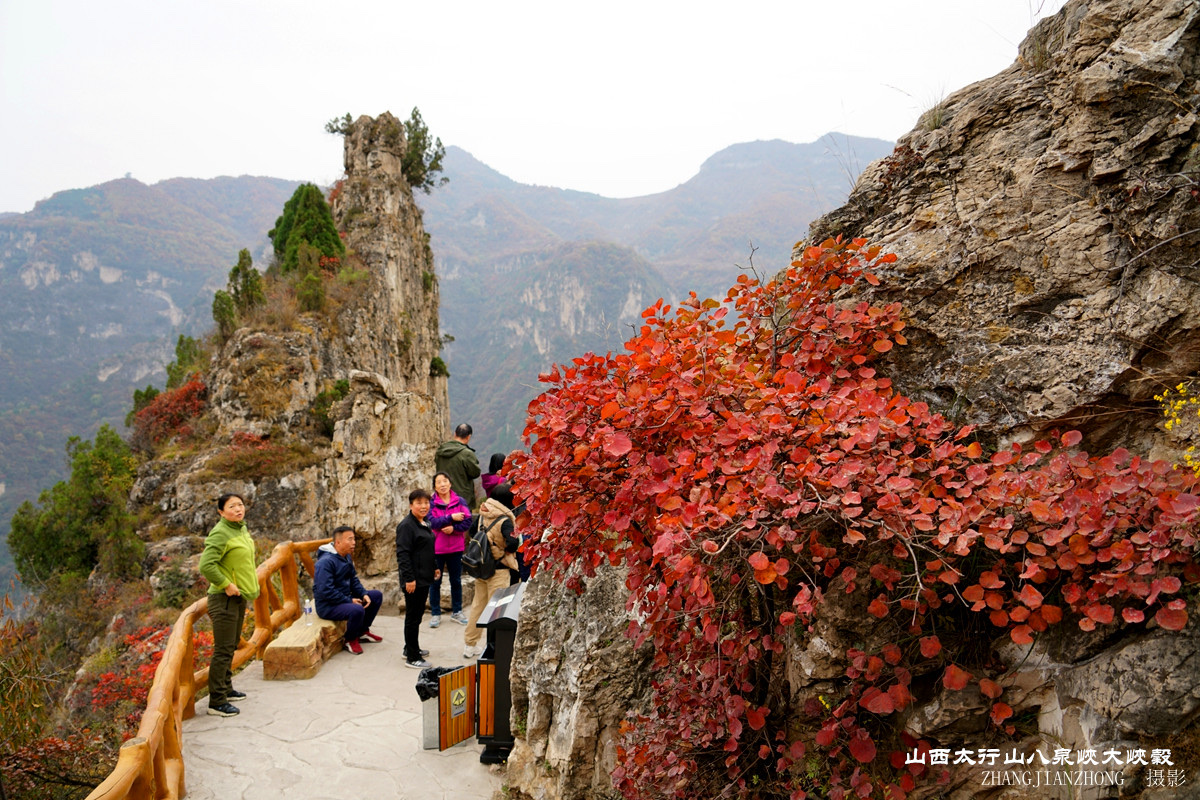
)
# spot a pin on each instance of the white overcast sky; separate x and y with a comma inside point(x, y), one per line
point(618, 98)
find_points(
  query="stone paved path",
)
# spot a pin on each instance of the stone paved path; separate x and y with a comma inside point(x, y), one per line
point(353, 731)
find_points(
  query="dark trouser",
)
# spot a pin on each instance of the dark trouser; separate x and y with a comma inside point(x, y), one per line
point(414, 609)
point(358, 619)
point(450, 564)
point(227, 614)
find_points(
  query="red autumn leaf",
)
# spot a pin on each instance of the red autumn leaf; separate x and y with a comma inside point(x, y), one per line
point(1071, 438)
point(1132, 615)
point(1041, 511)
point(877, 608)
point(709, 546)
point(1171, 619)
point(901, 697)
point(1184, 504)
point(766, 576)
point(882, 345)
point(990, 580)
point(1100, 612)
point(861, 746)
point(990, 688)
point(1030, 596)
point(1001, 712)
point(1051, 614)
point(756, 717)
point(891, 653)
point(930, 646)
point(877, 702)
point(955, 678)
point(619, 445)
point(759, 561)
point(610, 408)
point(1022, 634)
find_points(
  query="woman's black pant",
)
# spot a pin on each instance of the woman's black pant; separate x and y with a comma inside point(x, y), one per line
point(414, 609)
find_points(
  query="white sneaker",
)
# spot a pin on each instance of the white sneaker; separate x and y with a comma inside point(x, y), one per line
point(472, 653)
point(459, 617)
point(434, 621)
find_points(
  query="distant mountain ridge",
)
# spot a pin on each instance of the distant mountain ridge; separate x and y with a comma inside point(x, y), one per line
point(506, 252)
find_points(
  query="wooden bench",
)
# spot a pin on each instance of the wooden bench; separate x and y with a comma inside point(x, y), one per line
point(299, 651)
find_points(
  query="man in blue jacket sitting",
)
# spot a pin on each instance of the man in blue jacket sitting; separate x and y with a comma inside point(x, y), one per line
point(339, 594)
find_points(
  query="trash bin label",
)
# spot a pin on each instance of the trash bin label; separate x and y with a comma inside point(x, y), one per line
point(456, 697)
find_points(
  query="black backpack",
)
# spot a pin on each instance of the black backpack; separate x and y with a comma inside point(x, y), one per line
point(477, 560)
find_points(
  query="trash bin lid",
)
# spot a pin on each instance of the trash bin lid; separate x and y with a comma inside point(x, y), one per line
point(503, 609)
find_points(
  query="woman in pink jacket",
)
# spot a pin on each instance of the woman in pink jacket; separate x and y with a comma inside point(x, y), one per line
point(450, 519)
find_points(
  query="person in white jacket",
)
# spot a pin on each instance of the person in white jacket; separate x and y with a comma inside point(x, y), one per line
point(504, 543)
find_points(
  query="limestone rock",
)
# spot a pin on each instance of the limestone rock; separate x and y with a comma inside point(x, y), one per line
point(1046, 224)
point(574, 679)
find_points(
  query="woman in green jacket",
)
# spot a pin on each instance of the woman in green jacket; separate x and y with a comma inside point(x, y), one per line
point(228, 564)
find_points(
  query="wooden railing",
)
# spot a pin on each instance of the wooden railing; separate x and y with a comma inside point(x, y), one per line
point(150, 765)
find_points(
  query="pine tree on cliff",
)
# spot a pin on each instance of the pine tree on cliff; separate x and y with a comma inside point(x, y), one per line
point(423, 156)
point(310, 290)
point(245, 284)
point(306, 218)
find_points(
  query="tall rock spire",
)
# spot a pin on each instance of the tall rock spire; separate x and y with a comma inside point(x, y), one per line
point(364, 365)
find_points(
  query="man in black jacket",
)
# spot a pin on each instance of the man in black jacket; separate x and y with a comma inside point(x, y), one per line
point(418, 569)
point(339, 595)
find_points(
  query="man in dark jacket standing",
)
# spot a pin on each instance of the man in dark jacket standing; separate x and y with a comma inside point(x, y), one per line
point(457, 459)
point(418, 569)
point(339, 595)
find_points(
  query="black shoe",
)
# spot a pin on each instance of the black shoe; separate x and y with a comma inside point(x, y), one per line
point(223, 710)
point(234, 694)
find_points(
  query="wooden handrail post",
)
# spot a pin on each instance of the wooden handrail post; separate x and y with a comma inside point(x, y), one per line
point(291, 585)
point(150, 766)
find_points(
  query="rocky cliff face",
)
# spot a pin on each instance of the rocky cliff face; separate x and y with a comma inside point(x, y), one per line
point(574, 678)
point(1046, 226)
point(380, 342)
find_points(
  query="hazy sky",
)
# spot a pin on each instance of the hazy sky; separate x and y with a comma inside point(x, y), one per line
point(619, 98)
